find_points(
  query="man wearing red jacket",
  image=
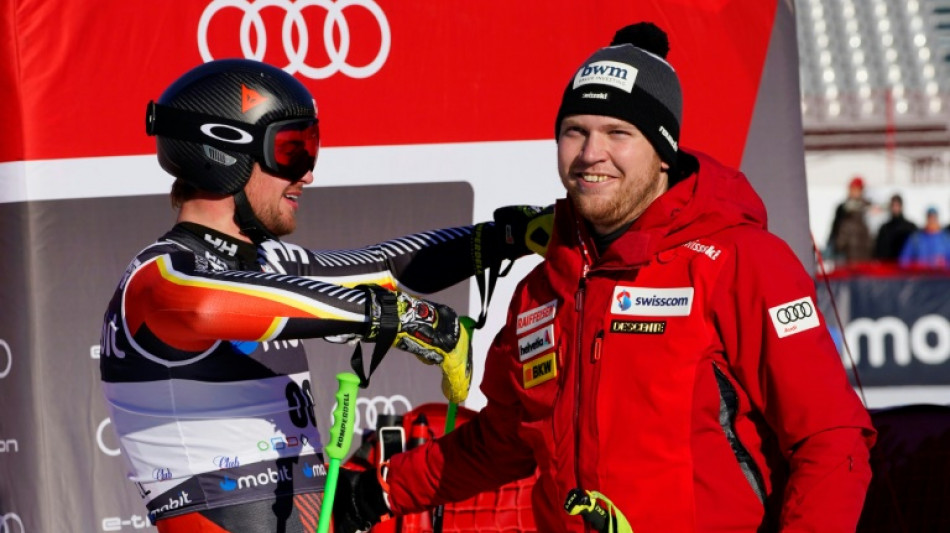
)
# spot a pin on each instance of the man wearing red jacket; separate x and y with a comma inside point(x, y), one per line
point(668, 353)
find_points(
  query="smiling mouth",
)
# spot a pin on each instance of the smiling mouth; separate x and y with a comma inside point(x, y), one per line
point(593, 178)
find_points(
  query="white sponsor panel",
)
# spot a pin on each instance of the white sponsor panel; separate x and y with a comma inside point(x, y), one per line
point(534, 343)
point(533, 318)
point(794, 317)
point(651, 301)
point(612, 73)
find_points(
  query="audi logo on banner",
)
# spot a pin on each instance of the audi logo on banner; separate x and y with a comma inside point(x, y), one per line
point(369, 409)
point(795, 312)
point(11, 523)
point(6, 360)
point(295, 21)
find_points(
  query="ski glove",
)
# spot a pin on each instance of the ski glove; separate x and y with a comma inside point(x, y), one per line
point(515, 231)
point(358, 503)
point(522, 229)
point(434, 334)
point(597, 511)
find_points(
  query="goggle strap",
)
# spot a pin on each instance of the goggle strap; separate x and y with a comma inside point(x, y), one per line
point(184, 125)
point(248, 222)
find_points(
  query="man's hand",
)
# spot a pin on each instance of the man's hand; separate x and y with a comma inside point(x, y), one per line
point(433, 333)
point(515, 231)
point(523, 229)
point(358, 503)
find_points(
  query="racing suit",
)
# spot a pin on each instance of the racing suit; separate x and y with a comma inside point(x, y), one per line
point(684, 371)
point(211, 411)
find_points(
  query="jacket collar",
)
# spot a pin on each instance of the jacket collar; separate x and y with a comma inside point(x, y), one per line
point(712, 198)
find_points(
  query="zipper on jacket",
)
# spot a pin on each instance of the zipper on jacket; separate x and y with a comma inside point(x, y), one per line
point(598, 343)
point(578, 356)
point(579, 347)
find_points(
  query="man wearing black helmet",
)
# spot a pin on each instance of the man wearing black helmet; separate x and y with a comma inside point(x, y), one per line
point(667, 356)
point(219, 435)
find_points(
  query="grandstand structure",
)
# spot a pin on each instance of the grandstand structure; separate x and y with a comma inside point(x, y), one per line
point(874, 76)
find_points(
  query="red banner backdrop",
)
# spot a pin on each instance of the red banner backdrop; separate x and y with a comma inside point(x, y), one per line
point(404, 83)
point(76, 79)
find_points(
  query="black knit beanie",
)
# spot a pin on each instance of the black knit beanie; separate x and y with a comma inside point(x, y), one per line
point(630, 80)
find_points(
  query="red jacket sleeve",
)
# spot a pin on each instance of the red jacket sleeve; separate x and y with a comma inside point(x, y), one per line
point(480, 455)
point(778, 345)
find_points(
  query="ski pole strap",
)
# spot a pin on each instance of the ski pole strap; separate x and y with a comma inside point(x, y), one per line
point(388, 323)
point(486, 275)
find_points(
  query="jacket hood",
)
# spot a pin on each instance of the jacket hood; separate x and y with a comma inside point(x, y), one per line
point(710, 199)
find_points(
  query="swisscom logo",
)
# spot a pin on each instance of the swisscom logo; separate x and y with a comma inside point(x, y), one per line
point(646, 301)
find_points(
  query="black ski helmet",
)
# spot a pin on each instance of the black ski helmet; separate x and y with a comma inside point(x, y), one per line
point(217, 119)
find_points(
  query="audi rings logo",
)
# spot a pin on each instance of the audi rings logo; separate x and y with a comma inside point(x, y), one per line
point(794, 317)
point(6, 359)
point(296, 50)
point(369, 409)
point(794, 313)
point(11, 523)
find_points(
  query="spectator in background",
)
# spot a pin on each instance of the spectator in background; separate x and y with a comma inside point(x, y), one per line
point(894, 233)
point(927, 247)
point(850, 240)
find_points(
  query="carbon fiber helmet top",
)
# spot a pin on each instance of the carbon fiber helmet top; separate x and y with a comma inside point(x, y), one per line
point(218, 118)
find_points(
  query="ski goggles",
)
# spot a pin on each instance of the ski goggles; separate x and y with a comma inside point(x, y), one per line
point(285, 148)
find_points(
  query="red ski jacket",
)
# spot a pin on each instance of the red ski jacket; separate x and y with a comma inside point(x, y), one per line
point(686, 373)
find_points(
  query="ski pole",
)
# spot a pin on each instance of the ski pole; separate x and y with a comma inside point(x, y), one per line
point(341, 435)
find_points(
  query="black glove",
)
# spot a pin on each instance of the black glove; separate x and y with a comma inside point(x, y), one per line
point(358, 503)
point(523, 229)
point(433, 333)
point(598, 511)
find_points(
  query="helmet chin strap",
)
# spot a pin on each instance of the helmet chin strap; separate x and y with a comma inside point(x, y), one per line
point(248, 222)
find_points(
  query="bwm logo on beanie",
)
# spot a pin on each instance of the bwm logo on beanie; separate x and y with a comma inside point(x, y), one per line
point(613, 73)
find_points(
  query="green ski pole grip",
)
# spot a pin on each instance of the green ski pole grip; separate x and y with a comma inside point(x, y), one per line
point(341, 434)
